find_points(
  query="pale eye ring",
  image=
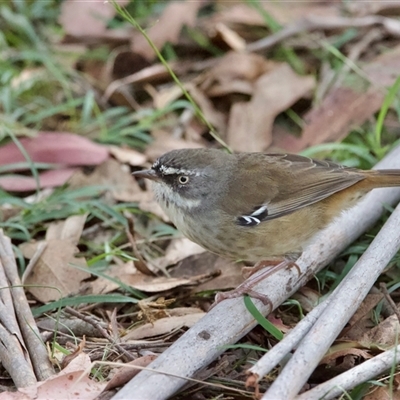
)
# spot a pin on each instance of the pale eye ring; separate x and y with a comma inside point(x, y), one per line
point(183, 179)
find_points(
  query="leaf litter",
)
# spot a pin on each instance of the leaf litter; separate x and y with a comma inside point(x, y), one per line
point(252, 94)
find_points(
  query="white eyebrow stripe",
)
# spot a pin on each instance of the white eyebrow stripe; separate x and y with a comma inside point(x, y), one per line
point(176, 171)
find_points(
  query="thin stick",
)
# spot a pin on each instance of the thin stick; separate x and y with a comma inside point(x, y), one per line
point(97, 325)
point(274, 356)
point(314, 22)
point(29, 329)
point(32, 262)
point(353, 377)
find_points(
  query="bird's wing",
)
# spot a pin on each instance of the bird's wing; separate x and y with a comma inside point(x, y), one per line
point(290, 182)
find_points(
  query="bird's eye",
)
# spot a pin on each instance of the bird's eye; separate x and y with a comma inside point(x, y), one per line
point(183, 179)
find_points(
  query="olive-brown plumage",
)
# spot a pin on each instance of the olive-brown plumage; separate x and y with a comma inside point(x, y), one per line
point(255, 206)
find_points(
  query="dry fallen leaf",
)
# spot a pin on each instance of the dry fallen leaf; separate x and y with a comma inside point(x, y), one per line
point(383, 393)
point(361, 323)
point(341, 110)
point(127, 155)
point(234, 73)
point(152, 284)
point(146, 202)
point(229, 274)
point(163, 326)
point(212, 115)
point(71, 229)
point(112, 175)
point(125, 374)
point(384, 334)
point(250, 123)
point(53, 275)
point(362, 8)
point(163, 142)
point(70, 383)
point(89, 19)
point(342, 350)
point(176, 251)
point(168, 27)
point(247, 15)
point(345, 107)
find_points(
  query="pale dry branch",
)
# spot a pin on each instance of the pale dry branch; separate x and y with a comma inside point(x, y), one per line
point(313, 22)
point(274, 356)
point(353, 377)
point(26, 322)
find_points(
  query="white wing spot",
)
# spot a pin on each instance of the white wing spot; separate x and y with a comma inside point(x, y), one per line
point(251, 220)
point(259, 211)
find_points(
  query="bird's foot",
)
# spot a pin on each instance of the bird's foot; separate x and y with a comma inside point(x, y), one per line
point(268, 268)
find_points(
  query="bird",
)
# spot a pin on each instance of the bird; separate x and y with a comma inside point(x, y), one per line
point(256, 207)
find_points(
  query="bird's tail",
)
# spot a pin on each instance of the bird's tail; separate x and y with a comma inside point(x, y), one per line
point(384, 178)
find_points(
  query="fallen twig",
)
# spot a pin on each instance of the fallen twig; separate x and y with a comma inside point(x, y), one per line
point(353, 377)
point(390, 301)
point(314, 22)
point(274, 356)
point(24, 332)
point(103, 331)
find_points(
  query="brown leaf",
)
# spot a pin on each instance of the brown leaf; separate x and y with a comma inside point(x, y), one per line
point(308, 298)
point(234, 73)
point(54, 275)
point(70, 229)
point(341, 110)
point(230, 37)
point(168, 27)
point(146, 202)
point(385, 333)
point(70, 357)
point(163, 326)
point(361, 8)
point(382, 393)
point(112, 175)
point(89, 19)
point(176, 251)
point(230, 275)
point(127, 156)
point(125, 374)
point(344, 107)
point(130, 276)
point(342, 350)
point(247, 15)
point(70, 383)
point(360, 323)
point(212, 115)
point(164, 141)
point(250, 124)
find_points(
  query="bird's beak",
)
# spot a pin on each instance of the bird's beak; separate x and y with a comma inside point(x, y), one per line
point(147, 174)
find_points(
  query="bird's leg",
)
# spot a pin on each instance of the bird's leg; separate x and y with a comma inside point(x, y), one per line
point(247, 272)
point(246, 287)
